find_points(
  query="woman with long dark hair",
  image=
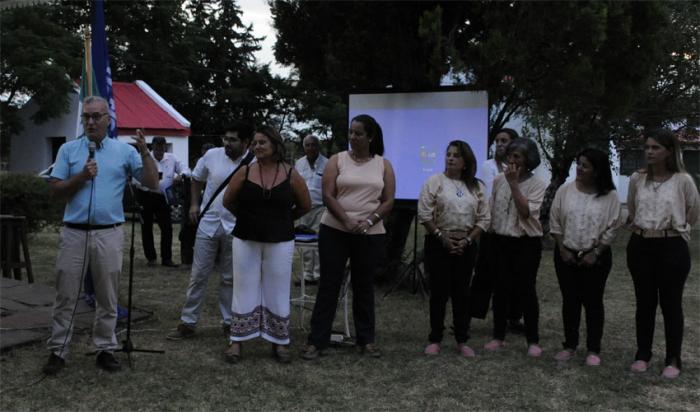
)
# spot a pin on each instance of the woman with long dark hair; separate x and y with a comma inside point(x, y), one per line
point(663, 205)
point(454, 210)
point(584, 218)
point(358, 191)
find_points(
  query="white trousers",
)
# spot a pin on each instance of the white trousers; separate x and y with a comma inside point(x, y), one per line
point(261, 279)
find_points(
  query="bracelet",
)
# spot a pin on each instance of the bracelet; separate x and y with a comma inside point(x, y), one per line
point(469, 240)
point(369, 222)
point(437, 233)
point(375, 214)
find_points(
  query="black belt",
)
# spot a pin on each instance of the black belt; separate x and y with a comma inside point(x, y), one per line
point(84, 226)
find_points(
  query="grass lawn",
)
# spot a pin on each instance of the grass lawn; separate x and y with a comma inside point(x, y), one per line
point(191, 375)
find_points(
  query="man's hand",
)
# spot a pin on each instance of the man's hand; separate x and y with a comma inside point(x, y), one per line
point(194, 214)
point(140, 140)
point(90, 169)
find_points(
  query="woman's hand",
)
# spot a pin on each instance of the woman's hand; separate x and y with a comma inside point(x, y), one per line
point(512, 174)
point(566, 256)
point(589, 259)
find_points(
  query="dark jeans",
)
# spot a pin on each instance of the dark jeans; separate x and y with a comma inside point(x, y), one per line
point(659, 269)
point(153, 205)
point(583, 287)
point(517, 260)
point(335, 248)
point(449, 279)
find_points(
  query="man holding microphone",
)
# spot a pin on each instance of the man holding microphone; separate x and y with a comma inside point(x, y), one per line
point(90, 173)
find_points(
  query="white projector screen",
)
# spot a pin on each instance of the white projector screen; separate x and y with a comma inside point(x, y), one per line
point(417, 128)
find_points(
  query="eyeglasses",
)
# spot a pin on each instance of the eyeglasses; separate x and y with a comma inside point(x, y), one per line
point(96, 117)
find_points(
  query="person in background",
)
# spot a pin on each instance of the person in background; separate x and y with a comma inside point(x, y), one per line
point(265, 197)
point(584, 218)
point(91, 173)
point(517, 239)
point(311, 167)
point(358, 191)
point(155, 203)
point(454, 210)
point(663, 206)
point(212, 246)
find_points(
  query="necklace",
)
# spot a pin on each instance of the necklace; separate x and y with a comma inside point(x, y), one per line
point(655, 186)
point(458, 190)
point(357, 159)
point(267, 193)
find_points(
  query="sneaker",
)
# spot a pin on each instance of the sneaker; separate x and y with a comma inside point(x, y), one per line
point(371, 349)
point(281, 353)
point(432, 349)
point(233, 353)
point(107, 361)
point(593, 359)
point(310, 352)
point(465, 351)
point(639, 366)
point(494, 345)
point(670, 372)
point(534, 351)
point(53, 365)
point(181, 332)
point(564, 355)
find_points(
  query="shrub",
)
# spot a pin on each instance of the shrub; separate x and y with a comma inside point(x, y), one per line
point(27, 195)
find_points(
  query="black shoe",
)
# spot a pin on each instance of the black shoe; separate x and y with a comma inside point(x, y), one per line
point(152, 262)
point(108, 362)
point(170, 264)
point(53, 365)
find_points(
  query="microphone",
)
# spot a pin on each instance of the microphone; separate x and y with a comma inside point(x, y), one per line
point(92, 146)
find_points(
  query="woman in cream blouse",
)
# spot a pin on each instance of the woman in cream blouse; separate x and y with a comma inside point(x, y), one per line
point(454, 210)
point(584, 217)
point(663, 205)
point(517, 236)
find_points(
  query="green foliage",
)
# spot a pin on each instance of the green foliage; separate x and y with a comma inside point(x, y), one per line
point(29, 196)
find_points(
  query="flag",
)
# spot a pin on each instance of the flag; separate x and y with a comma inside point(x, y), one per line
point(100, 61)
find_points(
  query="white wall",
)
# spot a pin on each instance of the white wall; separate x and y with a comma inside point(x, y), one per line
point(30, 150)
point(177, 145)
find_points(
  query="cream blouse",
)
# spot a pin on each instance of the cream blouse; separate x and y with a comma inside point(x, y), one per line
point(584, 220)
point(451, 205)
point(505, 219)
point(673, 204)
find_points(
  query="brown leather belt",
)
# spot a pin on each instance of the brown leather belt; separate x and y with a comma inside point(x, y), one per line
point(656, 233)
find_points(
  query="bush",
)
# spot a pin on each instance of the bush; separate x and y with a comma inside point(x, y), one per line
point(27, 195)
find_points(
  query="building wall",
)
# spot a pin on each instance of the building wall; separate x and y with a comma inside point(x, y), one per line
point(177, 145)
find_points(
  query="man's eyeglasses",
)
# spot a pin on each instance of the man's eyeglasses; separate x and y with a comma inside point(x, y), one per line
point(86, 117)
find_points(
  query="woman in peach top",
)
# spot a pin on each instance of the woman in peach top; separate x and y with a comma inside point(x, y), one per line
point(663, 205)
point(584, 218)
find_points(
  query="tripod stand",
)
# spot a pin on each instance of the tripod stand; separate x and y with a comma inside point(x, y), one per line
point(412, 270)
point(128, 346)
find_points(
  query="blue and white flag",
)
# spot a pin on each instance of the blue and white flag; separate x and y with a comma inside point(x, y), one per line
point(100, 61)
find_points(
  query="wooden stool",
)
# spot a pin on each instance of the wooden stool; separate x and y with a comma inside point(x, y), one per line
point(13, 231)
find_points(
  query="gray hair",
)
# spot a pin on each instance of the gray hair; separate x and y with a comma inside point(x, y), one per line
point(95, 99)
point(311, 137)
point(528, 148)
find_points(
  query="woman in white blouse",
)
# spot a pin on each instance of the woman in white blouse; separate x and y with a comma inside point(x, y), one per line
point(517, 236)
point(663, 205)
point(454, 210)
point(584, 217)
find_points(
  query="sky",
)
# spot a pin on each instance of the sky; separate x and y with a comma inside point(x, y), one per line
point(257, 13)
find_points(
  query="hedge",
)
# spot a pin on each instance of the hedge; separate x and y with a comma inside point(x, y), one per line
point(28, 195)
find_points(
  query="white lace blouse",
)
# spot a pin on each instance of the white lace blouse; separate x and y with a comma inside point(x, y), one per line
point(451, 206)
point(505, 219)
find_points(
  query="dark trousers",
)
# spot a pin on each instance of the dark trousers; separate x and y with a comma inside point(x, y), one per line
point(659, 269)
point(517, 260)
point(153, 205)
point(335, 247)
point(449, 279)
point(583, 287)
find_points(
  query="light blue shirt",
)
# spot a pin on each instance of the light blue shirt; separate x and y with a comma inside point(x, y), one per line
point(115, 162)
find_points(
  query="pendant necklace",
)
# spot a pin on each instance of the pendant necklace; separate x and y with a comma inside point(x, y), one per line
point(458, 190)
point(267, 193)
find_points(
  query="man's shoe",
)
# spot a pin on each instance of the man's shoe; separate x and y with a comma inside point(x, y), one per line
point(152, 262)
point(182, 332)
point(371, 349)
point(170, 264)
point(281, 353)
point(233, 353)
point(108, 362)
point(310, 352)
point(53, 365)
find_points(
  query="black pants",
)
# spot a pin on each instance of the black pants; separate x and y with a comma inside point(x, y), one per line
point(583, 287)
point(517, 260)
point(154, 206)
point(449, 279)
point(335, 247)
point(659, 269)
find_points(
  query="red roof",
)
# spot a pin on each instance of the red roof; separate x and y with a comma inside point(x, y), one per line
point(135, 110)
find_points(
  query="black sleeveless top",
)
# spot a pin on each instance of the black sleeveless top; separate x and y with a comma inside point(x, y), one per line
point(265, 217)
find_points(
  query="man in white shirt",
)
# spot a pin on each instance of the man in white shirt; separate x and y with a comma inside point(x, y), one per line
point(154, 203)
point(311, 168)
point(215, 227)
